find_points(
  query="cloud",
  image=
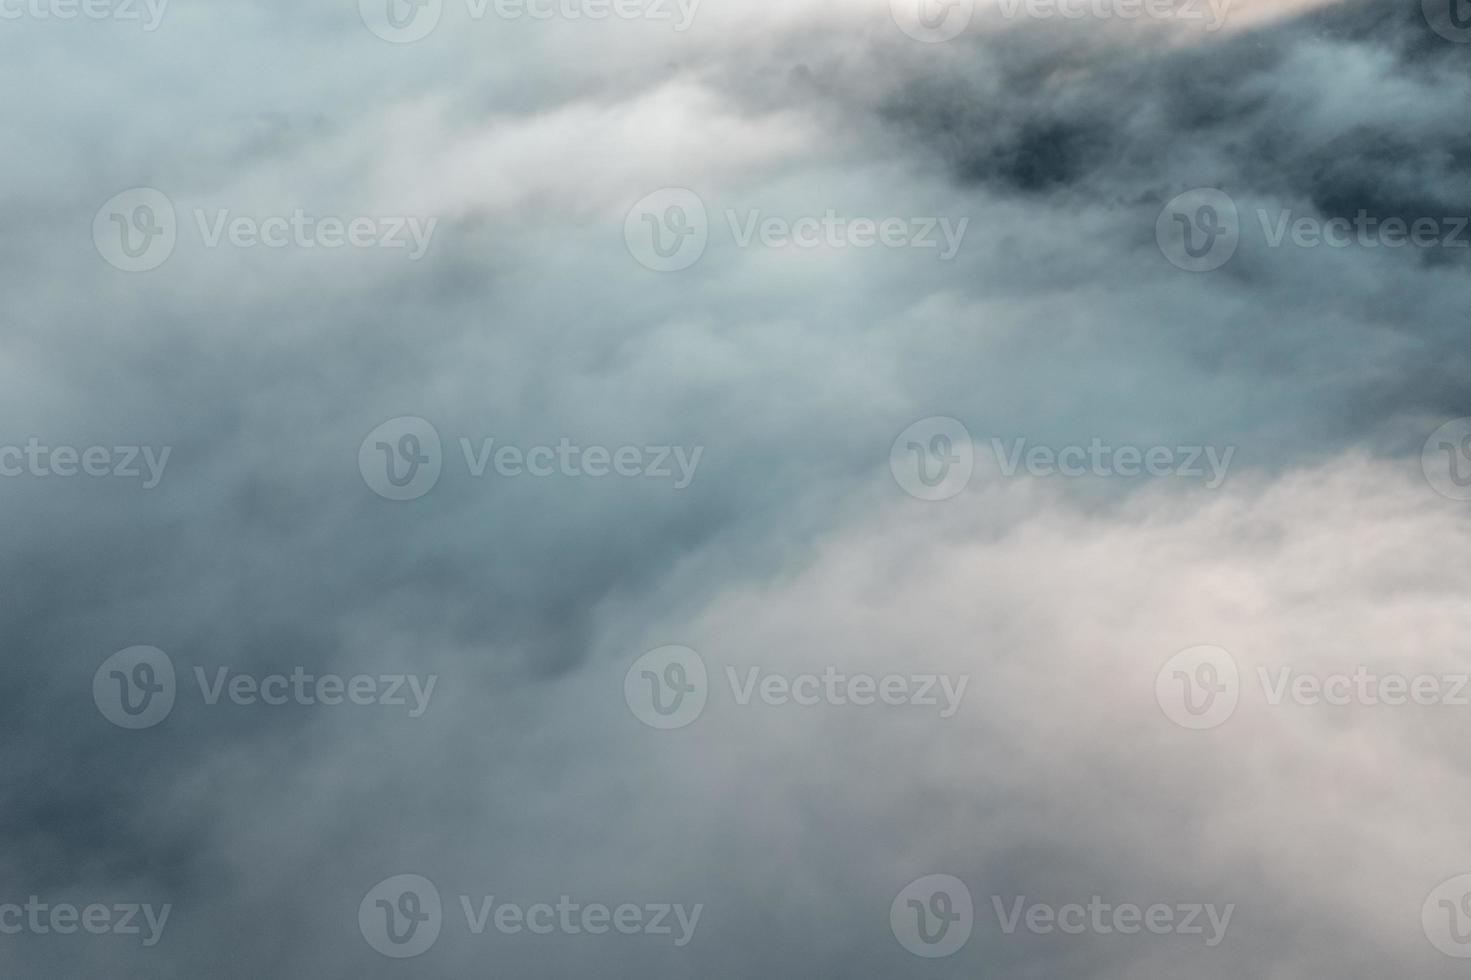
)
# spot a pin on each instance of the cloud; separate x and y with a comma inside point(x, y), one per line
point(529, 321)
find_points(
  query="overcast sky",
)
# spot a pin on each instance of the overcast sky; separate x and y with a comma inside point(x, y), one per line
point(739, 459)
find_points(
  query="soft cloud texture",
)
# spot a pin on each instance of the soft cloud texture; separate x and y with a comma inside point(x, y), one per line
point(1059, 321)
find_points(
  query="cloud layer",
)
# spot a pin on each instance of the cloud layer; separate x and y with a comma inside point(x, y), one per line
point(1060, 321)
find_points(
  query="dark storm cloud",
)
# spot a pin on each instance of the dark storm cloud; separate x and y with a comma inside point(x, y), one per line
point(1037, 111)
